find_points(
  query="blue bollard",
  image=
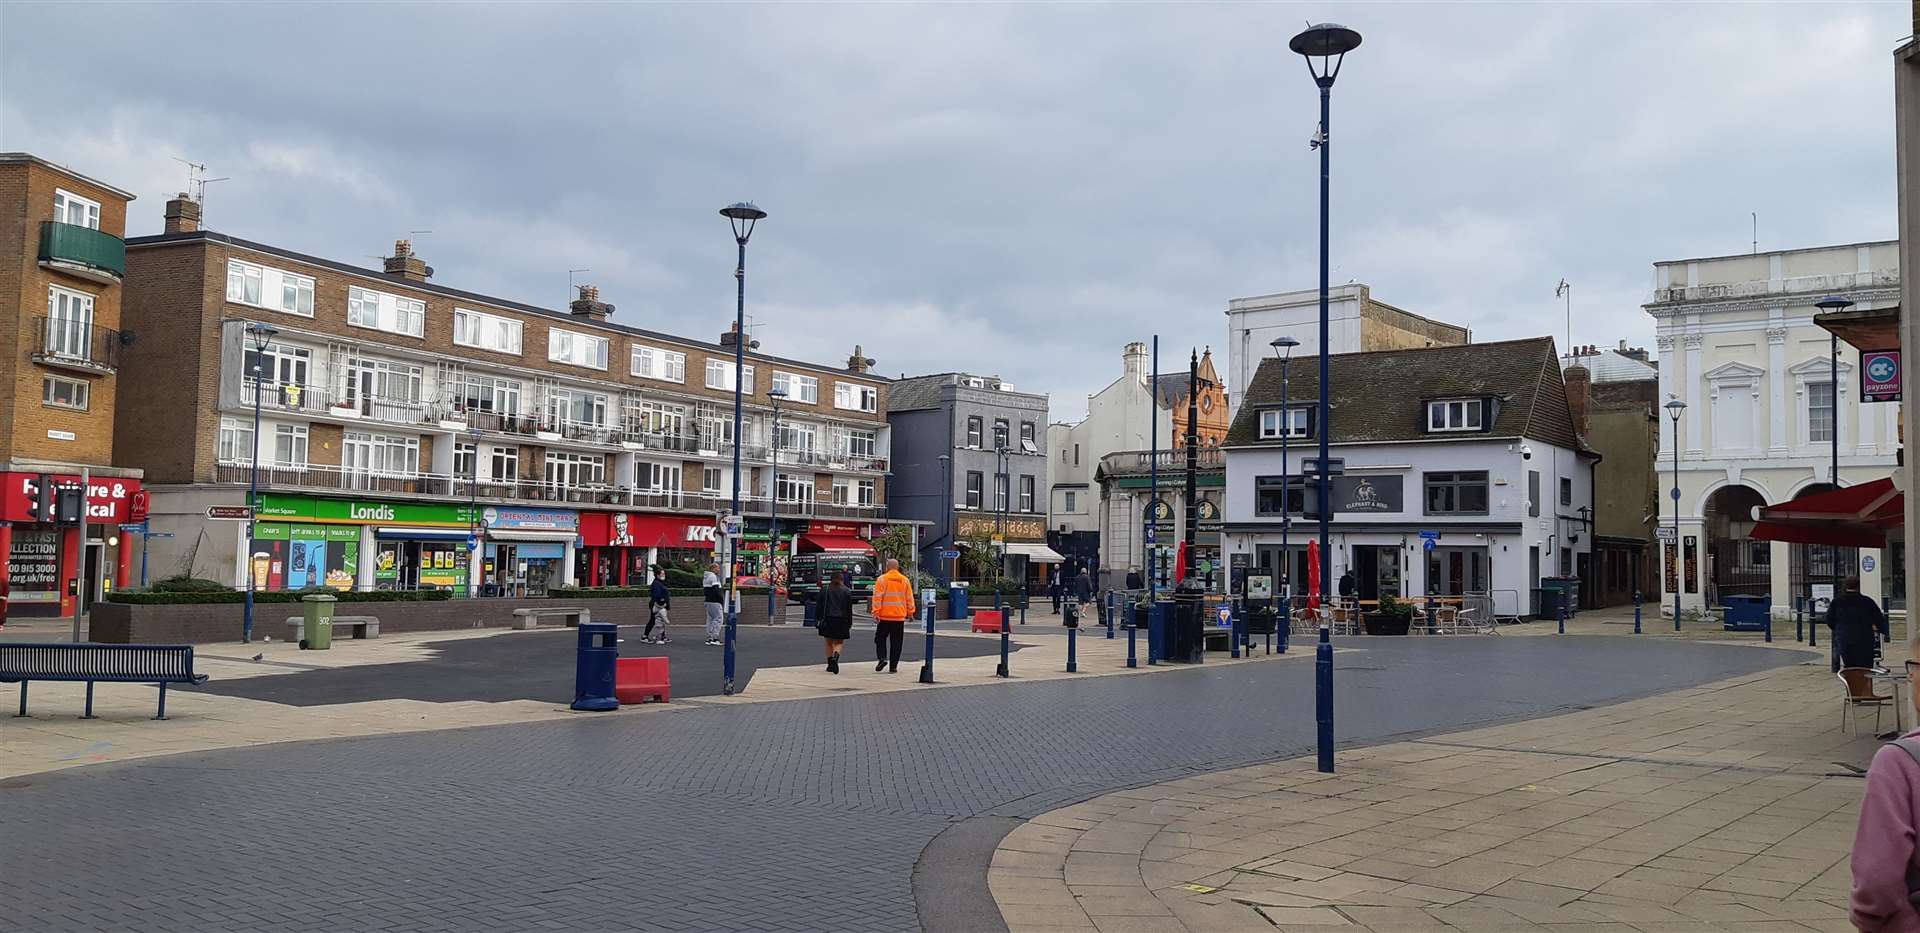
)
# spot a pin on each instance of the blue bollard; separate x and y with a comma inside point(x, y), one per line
point(1798, 607)
point(1133, 630)
point(1023, 605)
point(1112, 610)
point(1233, 634)
point(926, 609)
point(1323, 698)
point(1636, 612)
point(1563, 616)
point(1767, 630)
point(1813, 632)
point(1431, 625)
point(1073, 641)
point(1284, 627)
point(996, 602)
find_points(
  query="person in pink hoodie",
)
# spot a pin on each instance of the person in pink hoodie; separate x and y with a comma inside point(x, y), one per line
point(1886, 848)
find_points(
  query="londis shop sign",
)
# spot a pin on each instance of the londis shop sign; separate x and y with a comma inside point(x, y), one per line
point(363, 512)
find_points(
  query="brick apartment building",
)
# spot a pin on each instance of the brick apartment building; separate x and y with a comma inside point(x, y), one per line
point(62, 258)
point(400, 420)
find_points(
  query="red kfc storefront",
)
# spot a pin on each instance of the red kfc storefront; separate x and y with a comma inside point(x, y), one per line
point(617, 547)
point(43, 546)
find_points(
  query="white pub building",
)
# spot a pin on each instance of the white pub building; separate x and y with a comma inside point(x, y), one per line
point(1471, 448)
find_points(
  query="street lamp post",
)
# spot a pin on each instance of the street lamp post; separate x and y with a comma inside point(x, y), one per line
point(258, 336)
point(1286, 344)
point(946, 507)
point(743, 216)
point(473, 516)
point(1325, 48)
point(1000, 484)
point(1675, 409)
point(773, 501)
point(1830, 304)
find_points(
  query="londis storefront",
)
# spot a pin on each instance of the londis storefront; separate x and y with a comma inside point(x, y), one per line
point(360, 544)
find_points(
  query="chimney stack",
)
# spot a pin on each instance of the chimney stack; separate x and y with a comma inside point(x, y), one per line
point(1133, 361)
point(727, 338)
point(859, 362)
point(589, 305)
point(1580, 398)
point(405, 264)
point(183, 214)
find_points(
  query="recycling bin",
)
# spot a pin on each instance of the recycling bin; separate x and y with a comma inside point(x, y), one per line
point(316, 628)
point(1548, 600)
point(1187, 632)
point(1569, 589)
point(597, 650)
point(1158, 622)
point(811, 603)
point(957, 601)
point(1746, 613)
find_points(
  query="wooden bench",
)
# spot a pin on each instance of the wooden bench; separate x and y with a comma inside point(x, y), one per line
point(92, 663)
point(524, 619)
point(362, 626)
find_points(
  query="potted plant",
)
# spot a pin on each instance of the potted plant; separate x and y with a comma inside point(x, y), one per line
point(1394, 617)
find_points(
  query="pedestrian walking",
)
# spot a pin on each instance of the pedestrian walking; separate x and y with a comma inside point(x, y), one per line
point(1053, 588)
point(1079, 594)
point(716, 599)
point(1858, 625)
point(892, 606)
point(1884, 858)
point(658, 602)
point(835, 623)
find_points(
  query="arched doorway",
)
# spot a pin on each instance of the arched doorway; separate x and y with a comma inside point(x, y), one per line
point(1737, 565)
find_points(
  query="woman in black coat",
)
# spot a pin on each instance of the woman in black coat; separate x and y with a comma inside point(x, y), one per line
point(836, 618)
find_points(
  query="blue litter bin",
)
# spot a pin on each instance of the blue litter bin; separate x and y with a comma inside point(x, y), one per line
point(598, 648)
point(1746, 613)
point(812, 603)
point(957, 601)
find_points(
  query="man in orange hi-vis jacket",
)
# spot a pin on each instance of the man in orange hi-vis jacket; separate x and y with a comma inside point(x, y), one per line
point(892, 606)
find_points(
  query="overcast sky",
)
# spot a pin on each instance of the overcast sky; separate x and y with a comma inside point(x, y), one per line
point(1011, 189)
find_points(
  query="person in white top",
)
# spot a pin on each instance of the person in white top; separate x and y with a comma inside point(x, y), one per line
point(716, 599)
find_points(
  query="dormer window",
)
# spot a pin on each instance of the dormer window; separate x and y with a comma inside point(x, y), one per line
point(1458, 414)
point(1287, 422)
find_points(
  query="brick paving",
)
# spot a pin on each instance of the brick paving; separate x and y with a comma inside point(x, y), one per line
point(804, 815)
point(1722, 807)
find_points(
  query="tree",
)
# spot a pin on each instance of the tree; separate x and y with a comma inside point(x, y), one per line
point(896, 544)
point(979, 558)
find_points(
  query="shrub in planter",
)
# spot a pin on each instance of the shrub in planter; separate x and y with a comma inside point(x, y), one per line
point(1394, 617)
point(267, 597)
point(186, 584)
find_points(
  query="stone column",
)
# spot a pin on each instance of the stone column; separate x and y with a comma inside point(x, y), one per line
point(1776, 383)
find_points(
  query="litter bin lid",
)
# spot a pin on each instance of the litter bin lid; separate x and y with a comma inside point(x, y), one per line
point(319, 598)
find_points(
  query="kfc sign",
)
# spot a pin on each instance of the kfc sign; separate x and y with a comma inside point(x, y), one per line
point(108, 499)
point(629, 529)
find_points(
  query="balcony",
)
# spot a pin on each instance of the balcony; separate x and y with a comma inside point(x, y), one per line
point(70, 344)
point(83, 252)
point(1137, 462)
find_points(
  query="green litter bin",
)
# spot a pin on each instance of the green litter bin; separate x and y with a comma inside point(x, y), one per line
point(316, 633)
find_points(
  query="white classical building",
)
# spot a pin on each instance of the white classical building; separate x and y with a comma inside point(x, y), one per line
point(1738, 345)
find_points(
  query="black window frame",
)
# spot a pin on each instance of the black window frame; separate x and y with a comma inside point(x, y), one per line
point(1265, 489)
point(1455, 483)
point(1533, 493)
point(1566, 491)
point(976, 430)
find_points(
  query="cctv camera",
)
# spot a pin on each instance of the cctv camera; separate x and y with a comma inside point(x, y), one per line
point(1526, 452)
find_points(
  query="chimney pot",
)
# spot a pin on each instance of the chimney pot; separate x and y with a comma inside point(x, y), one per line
point(182, 214)
point(858, 362)
point(589, 305)
point(404, 264)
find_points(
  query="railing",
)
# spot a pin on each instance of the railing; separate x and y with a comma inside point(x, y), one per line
point(1142, 461)
point(662, 440)
point(83, 250)
point(75, 344)
point(286, 396)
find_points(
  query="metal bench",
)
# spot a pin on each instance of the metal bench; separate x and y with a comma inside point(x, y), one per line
point(530, 618)
point(363, 626)
point(92, 663)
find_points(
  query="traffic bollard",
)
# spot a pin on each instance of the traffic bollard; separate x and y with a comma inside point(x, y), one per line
point(1133, 630)
point(1813, 631)
point(1156, 630)
point(1112, 610)
point(1636, 612)
point(1799, 634)
point(1431, 627)
point(1767, 630)
point(1323, 697)
point(926, 609)
point(1563, 616)
point(1233, 633)
point(1073, 641)
point(1023, 605)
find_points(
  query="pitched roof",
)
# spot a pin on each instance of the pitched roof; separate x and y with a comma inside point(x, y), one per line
point(913, 394)
point(1380, 396)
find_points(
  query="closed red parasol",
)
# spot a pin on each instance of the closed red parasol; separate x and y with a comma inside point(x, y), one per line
point(1313, 574)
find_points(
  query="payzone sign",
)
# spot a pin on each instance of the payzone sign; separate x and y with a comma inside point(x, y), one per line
point(1880, 376)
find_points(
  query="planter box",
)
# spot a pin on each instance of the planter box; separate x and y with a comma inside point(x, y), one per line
point(1379, 623)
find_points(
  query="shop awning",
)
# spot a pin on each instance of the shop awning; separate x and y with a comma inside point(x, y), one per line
point(827, 542)
point(1853, 516)
point(518, 534)
point(1038, 553)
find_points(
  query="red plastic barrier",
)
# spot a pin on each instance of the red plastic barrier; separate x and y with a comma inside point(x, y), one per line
point(988, 620)
point(637, 680)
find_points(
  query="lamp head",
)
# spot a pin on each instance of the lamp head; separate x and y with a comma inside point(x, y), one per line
point(1833, 303)
point(1283, 343)
point(743, 215)
point(262, 333)
point(1674, 408)
point(1328, 43)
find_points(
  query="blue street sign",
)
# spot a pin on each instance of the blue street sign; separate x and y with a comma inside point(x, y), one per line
point(1427, 543)
point(1430, 535)
point(159, 534)
point(138, 528)
point(473, 543)
point(949, 555)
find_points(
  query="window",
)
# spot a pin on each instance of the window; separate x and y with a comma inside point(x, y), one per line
point(716, 430)
point(1454, 415)
point(381, 311)
point(1070, 506)
point(1461, 493)
point(490, 394)
point(573, 406)
point(1297, 422)
point(466, 458)
point(999, 491)
point(973, 431)
point(69, 324)
point(862, 443)
point(566, 469)
point(56, 392)
point(710, 480)
point(366, 455)
point(797, 437)
point(1026, 431)
point(506, 464)
point(1533, 493)
point(720, 375)
point(842, 492)
point(281, 369)
point(793, 487)
point(236, 439)
point(865, 489)
point(655, 363)
point(1026, 493)
point(1076, 455)
point(976, 482)
point(999, 433)
point(1820, 412)
point(486, 331)
point(574, 349)
point(853, 397)
point(290, 444)
point(659, 418)
point(70, 208)
point(662, 478)
point(797, 387)
point(377, 383)
point(1566, 490)
point(273, 289)
point(1274, 497)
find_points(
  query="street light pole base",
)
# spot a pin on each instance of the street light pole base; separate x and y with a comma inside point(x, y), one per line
point(926, 673)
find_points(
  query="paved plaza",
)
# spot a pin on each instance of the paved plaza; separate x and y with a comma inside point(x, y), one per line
point(809, 814)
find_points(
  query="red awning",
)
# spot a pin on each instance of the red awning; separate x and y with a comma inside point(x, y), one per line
point(826, 542)
point(1854, 516)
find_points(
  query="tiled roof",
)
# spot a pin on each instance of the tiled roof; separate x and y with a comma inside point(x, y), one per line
point(913, 394)
point(1381, 396)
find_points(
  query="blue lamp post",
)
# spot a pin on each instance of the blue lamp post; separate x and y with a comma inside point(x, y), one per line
point(743, 216)
point(1325, 48)
point(1675, 409)
point(258, 337)
point(773, 506)
point(1284, 345)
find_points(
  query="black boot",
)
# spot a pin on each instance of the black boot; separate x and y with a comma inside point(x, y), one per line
point(833, 664)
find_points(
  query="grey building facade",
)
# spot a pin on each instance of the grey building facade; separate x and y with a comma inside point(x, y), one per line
point(967, 419)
